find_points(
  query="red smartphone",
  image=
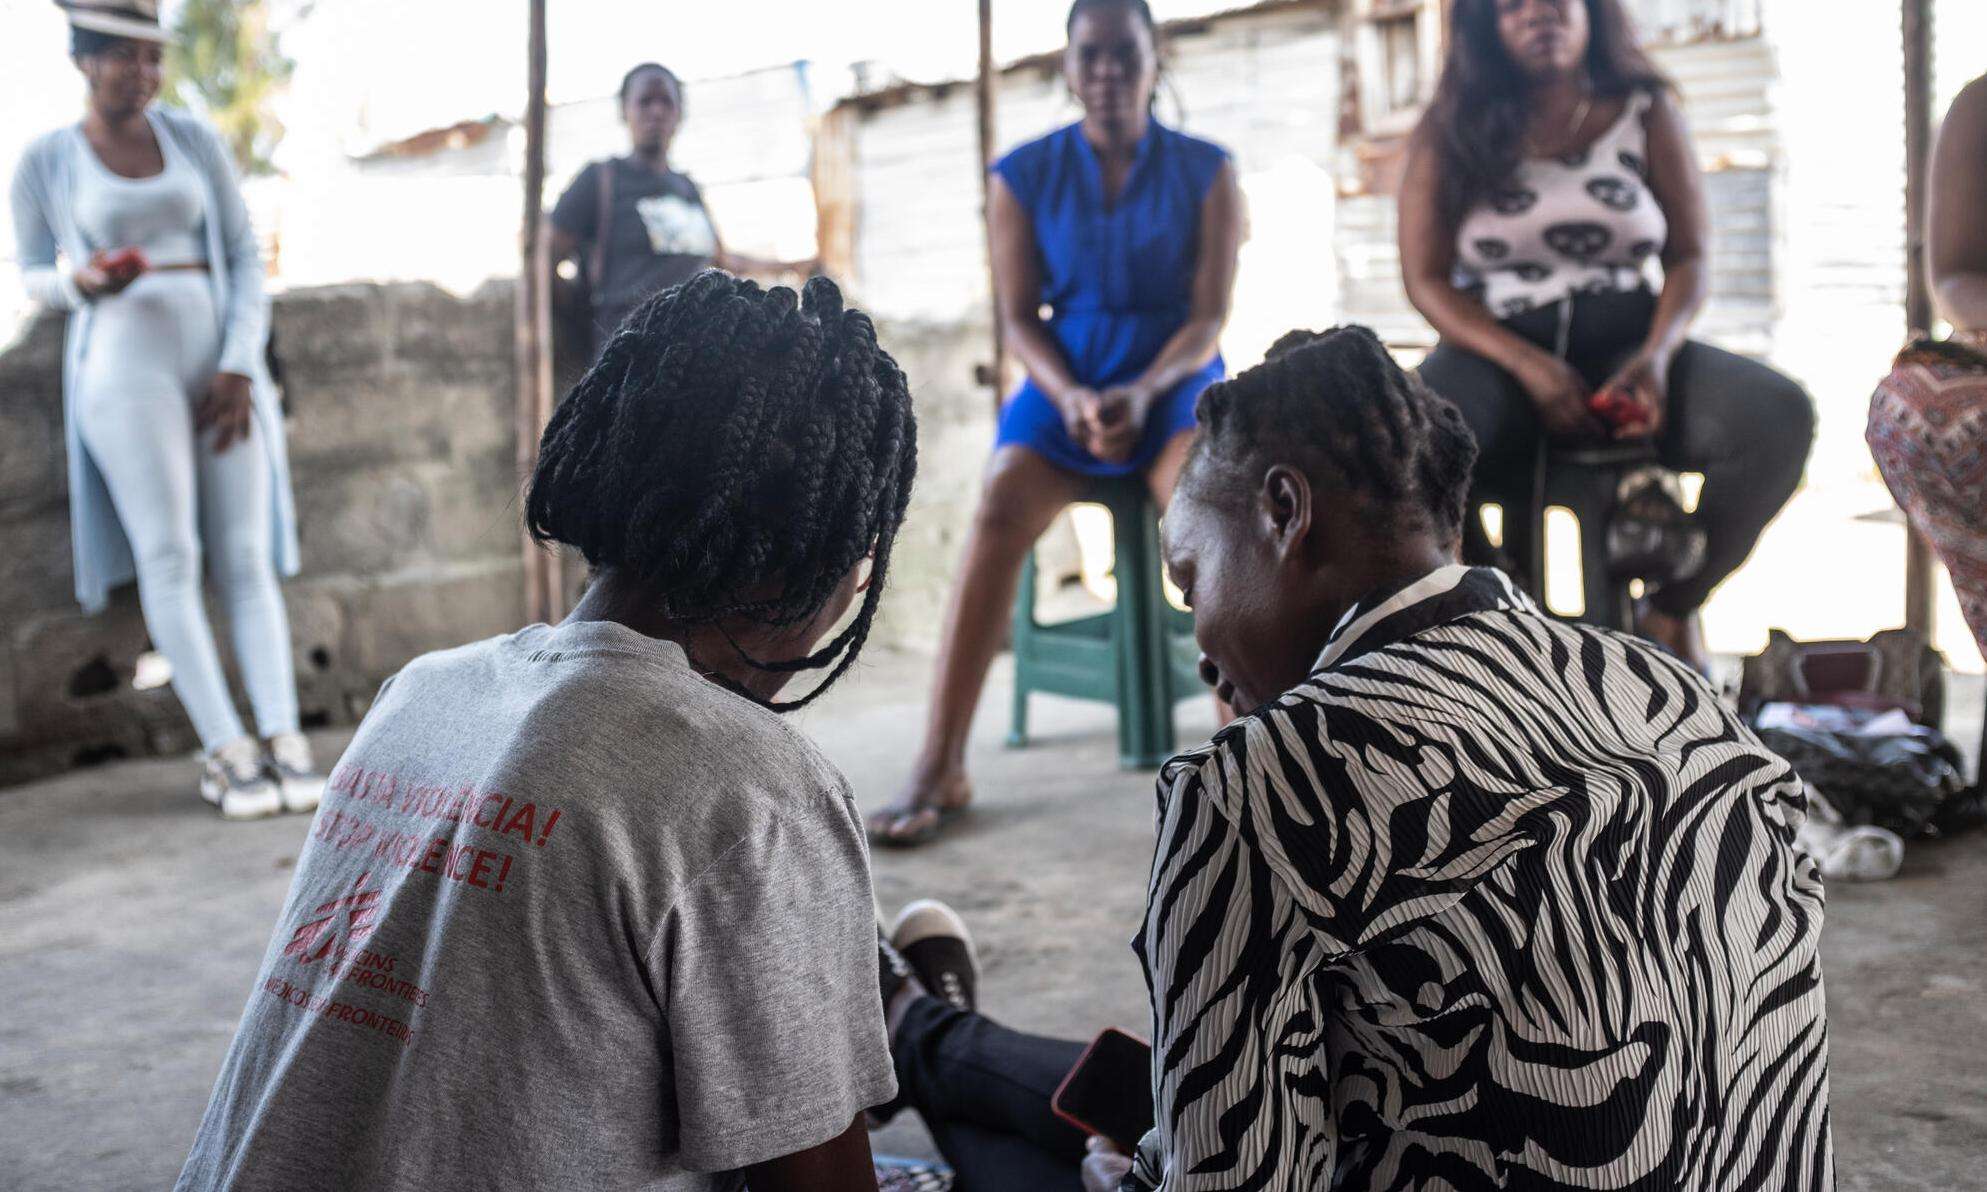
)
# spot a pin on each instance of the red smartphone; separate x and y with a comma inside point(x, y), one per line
point(1616, 408)
point(1109, 1092)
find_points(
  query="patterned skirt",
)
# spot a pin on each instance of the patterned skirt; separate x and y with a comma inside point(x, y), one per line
point(1928, 432)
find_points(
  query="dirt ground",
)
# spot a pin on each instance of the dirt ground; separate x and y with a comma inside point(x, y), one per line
point(132, 920)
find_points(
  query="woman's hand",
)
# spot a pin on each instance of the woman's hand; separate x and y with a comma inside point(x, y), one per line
point(109, 272)
point(1082, 407)
point(1125, 409)
point(1100, 423)
point(1104, 1167)
point(94, 282)
point(1560, 394)
point(1645, 379)
point(226, 408)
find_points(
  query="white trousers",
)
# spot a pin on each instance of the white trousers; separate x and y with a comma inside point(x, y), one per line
point(151, 357)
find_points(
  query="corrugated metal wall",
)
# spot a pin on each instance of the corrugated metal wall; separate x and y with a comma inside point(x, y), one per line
point(919, 249)
point(1688, 20)
point(1369, 267)
point(1727, 89)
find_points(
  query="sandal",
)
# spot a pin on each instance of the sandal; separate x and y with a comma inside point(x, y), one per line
point(935, 821)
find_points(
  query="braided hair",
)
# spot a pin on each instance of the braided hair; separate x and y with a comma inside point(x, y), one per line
point(739, 451)
point(1336, 404)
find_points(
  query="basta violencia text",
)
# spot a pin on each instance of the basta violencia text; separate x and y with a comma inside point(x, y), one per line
point(512, 820)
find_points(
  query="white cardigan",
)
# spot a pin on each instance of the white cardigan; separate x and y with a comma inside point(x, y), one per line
point(45, 226)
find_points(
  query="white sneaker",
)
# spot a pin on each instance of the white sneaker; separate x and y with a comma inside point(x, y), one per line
point(235, 780)
point(290, 761)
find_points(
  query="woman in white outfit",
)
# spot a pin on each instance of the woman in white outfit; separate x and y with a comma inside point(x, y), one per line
point(175, 442)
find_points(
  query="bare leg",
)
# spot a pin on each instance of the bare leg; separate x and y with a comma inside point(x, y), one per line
point(1022, 494)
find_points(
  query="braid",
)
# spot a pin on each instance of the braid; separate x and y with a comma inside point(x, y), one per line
point(739, 451)
point(1337, 404)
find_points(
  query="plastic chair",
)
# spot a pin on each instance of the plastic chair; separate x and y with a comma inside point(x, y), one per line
point(1140, 655)
point(1585, 480)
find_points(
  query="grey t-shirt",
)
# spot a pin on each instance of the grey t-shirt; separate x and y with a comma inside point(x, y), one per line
point(570, 916)
point(659, 235)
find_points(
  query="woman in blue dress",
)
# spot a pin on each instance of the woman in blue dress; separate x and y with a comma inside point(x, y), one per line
point(1126, 231)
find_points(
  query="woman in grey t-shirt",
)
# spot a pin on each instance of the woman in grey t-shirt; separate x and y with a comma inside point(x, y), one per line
point(636, 225)
point(580, 910)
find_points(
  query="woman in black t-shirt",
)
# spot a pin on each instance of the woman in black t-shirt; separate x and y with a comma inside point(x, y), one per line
point(636, 225)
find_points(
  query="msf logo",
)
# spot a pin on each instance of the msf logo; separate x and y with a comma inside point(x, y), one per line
point(337, 925)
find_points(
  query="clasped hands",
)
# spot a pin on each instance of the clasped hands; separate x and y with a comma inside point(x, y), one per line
point(1107, 422)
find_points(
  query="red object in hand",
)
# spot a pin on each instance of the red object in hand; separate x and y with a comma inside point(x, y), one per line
point(1617, 409)
point(124, 264)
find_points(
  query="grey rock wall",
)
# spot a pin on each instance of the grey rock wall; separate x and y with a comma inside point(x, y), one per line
point(955, 433)
point(399, 401)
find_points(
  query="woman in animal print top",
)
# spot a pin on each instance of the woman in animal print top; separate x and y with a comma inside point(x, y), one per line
point(1928, 419)
point(1551, 173)
point(1474, 898)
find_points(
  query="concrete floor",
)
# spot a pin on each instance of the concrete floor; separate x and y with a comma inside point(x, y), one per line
point(131, 922)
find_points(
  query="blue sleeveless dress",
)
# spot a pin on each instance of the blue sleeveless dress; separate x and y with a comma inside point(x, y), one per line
point(1118, 278)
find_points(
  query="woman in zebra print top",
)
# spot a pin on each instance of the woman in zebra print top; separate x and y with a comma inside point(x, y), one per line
point(1477, 898)
point(1474, 899)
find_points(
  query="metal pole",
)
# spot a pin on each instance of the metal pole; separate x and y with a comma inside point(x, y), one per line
point(1918, 607)
point(985, 99)
point(533, 321)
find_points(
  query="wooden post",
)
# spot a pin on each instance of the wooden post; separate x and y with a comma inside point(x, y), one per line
point(986, 98)
point(833, 175)
point(542, 587)
point(1918, 607)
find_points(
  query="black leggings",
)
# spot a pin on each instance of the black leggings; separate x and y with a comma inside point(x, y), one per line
point(983, 1091)
point(1746, 428)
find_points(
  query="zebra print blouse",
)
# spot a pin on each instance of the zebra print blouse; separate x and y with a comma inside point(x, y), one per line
point(1490, 901)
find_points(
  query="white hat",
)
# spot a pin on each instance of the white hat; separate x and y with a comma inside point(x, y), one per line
point(137, 19)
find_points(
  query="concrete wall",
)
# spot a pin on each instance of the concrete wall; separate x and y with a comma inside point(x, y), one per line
point(400, 406)
point(400, 435)
point(955, 434)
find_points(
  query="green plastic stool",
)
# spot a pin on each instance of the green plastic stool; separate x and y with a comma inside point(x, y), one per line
point(1140, 655)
